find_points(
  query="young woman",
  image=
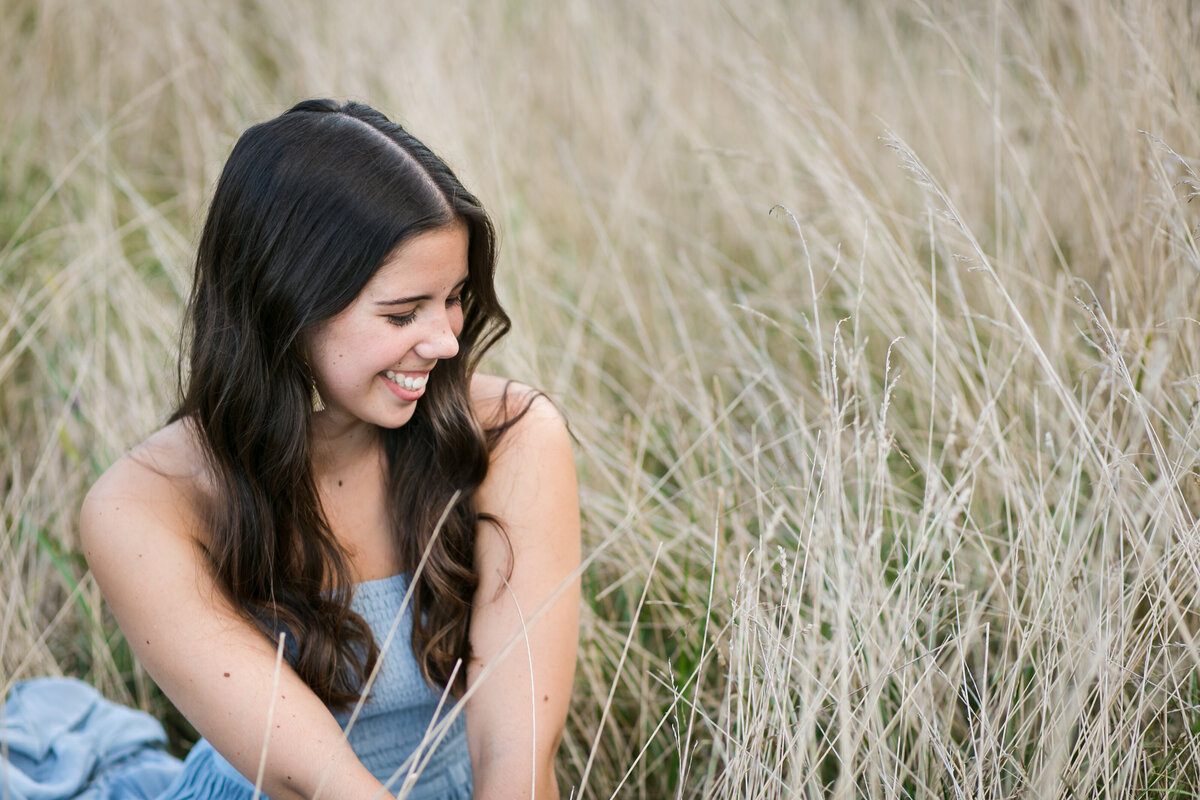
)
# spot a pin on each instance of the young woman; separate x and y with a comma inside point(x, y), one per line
point(339, 488)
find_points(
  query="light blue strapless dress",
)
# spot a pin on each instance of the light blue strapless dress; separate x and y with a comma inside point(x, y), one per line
point(388, 733)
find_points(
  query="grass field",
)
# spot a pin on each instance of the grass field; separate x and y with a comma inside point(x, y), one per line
point(877, 325)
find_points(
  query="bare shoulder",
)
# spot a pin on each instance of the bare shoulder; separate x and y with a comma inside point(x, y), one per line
point(530, 483)
point(530, 418)
point(162, 481)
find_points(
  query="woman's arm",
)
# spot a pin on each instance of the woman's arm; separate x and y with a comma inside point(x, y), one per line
point(139, 531)
point(520, 695)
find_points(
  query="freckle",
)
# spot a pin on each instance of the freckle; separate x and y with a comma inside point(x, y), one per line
point(339, 483)
point(139, 555)
point(546, 699)
point(147, 641)
point(226, 674)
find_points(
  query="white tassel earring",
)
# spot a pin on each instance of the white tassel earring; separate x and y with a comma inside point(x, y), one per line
point(314, 396)
point(317, 403)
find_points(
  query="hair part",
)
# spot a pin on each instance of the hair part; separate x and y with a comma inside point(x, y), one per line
point(307, 208)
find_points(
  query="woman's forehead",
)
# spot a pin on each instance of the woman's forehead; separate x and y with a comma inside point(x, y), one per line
point(432, 260)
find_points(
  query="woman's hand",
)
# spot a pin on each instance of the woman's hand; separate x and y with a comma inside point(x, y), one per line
point(524, 625)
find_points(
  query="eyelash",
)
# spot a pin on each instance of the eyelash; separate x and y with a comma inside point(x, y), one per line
point(400, 320)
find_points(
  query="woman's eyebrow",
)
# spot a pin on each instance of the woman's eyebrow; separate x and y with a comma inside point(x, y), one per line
point(417, 298)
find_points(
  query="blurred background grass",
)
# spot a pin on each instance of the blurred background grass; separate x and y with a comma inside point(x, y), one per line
point(876, 324)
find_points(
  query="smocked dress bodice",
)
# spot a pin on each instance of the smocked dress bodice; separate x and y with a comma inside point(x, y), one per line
point(404, 733)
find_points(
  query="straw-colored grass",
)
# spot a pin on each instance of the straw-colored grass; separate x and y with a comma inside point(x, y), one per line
point(877, 325)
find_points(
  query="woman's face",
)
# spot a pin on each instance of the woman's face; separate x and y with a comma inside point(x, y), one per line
point(372, 360)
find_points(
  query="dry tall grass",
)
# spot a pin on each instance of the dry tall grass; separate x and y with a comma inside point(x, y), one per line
point(877, 327)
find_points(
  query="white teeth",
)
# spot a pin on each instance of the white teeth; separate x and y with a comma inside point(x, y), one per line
point(412, 384)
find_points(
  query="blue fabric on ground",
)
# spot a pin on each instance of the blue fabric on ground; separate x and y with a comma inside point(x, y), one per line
point(60, 739)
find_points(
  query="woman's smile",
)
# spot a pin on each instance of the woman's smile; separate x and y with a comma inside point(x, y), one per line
point(408, 385)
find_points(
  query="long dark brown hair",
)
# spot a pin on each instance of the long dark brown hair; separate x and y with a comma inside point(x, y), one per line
point(308, 206)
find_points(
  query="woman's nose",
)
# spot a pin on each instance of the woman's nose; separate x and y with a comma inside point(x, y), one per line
point(440, 342)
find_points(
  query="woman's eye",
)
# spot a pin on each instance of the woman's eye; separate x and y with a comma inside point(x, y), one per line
point(401, 319)
point(454, 301)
